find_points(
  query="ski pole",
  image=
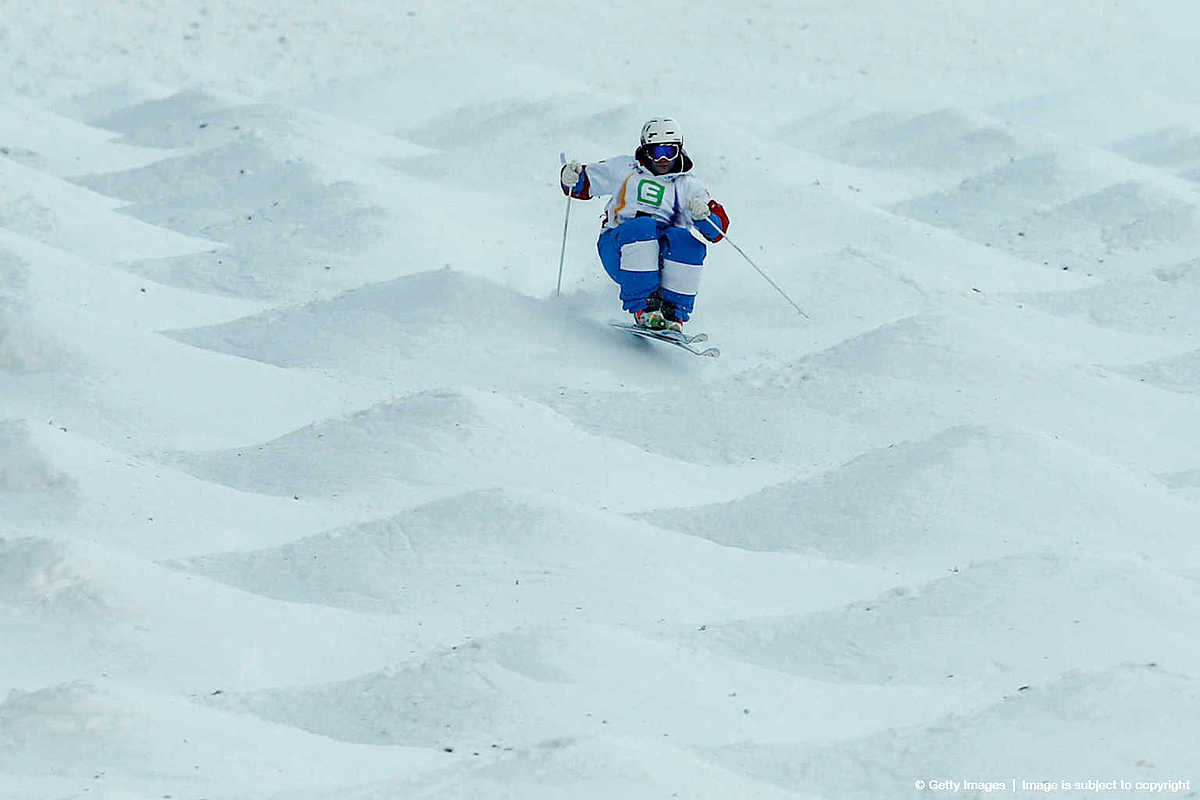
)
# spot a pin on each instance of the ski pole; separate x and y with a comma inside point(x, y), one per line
point(562, 157)
point(749, 260)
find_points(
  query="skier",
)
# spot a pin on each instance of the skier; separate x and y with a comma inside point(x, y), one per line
point(645, 245)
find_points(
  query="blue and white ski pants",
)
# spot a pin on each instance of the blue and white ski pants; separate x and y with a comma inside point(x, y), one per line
point(644, 255)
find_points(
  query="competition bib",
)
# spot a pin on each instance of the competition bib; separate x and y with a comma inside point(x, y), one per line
point(655, 197)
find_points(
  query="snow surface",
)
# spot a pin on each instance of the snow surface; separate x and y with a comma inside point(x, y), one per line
point(312, 488)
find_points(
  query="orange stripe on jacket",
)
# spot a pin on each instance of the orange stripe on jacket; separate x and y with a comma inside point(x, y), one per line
point(621, 199)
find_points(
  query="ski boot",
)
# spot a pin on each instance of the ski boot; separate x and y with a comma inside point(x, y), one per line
point(651, 319)
point(670, 320)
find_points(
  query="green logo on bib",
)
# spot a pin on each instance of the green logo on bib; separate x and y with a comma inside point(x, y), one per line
point(650, 193)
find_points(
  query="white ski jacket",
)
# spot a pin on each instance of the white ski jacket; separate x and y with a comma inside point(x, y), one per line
point(635, 190)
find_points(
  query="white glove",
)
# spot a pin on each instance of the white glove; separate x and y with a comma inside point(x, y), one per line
point(697, 206)
point(570, 173)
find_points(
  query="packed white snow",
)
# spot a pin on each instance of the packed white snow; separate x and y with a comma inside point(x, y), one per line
point(312, 486)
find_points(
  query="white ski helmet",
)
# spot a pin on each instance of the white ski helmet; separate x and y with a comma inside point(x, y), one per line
point(661, 130)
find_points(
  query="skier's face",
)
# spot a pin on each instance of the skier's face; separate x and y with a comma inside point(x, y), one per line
point(663, 156)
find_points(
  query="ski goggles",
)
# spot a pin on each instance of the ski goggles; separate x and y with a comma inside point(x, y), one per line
point(664, 152)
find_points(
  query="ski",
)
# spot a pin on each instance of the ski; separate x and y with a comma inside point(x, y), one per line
point(681, 340)
point(677, 336)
